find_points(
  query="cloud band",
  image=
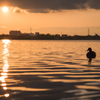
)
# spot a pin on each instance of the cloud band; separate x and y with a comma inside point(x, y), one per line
point(45, 6)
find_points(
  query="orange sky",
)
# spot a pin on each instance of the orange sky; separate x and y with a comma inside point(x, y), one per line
point(69, 22)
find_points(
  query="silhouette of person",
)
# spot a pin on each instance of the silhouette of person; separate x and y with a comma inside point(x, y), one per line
point(91, 54)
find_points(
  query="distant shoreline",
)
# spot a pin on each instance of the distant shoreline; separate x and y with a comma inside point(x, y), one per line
point(54, 39)
point(49, 37)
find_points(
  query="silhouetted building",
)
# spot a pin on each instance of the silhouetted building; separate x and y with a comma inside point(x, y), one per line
point(96, 35)
point(36, 33)
point(15, 33)
point(31, 34)
point(26, 34)
point(75, 35)
point(64, 35)
point(89, 35)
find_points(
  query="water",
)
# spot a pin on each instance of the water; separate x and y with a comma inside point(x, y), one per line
point(48, 70)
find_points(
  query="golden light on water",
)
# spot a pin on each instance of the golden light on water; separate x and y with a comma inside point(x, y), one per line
point(6, 42)
point(5, 88)
point(2, 79)
point(5, 70)
point(6, 95)
point(4, 73)
point(3, 84)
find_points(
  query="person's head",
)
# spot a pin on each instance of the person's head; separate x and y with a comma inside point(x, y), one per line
point(89, 49)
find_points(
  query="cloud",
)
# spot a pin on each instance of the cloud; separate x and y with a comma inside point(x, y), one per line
point(3, 27)
point(16, 10)
point(45, 6)
point(94, 4)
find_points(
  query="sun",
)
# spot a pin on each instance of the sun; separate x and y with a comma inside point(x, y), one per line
point(5, 9)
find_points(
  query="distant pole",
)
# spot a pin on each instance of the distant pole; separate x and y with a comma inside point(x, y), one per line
point(61, 33)
point(30, 29)
point(88, 31)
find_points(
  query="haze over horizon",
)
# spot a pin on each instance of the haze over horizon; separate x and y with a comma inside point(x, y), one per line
point(55, 16)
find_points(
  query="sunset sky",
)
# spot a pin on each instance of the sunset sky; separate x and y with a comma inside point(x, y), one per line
point(51, 16)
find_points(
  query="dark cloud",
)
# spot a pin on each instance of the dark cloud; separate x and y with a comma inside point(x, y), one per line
point(45, 6)
point(17, 11)
point(94, 4)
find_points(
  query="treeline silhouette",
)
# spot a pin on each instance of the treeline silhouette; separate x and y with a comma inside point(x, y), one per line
point(49, 37)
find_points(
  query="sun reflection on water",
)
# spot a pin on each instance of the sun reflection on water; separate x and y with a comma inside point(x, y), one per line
point(6, 95)
point(4, 74)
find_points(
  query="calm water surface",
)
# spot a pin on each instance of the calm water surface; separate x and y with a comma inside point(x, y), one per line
point(48, 70)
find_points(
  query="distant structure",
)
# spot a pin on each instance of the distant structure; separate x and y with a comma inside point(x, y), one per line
point(15, 33)
point(64, 35)
point(61, 33)
point(75, 35)
point(31, 34)
point(36, 33)
point(30, 29)
point(96, 35)
point(88, 32)
point(28, 34)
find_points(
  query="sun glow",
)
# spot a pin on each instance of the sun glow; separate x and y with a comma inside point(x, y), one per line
point(5, 9)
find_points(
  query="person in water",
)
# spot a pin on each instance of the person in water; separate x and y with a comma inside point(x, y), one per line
point(91, 54)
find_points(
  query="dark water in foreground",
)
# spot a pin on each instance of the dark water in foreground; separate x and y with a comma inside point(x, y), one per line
point(48, 70)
